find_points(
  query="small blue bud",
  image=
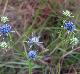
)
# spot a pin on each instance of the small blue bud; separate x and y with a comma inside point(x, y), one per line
point(5, 28)
point(69, 26)
point(32, 54)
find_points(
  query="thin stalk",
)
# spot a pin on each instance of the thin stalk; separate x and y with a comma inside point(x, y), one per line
point(30, 67)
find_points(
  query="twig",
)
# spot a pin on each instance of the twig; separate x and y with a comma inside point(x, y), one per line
point(70, 52)
point(5, 7)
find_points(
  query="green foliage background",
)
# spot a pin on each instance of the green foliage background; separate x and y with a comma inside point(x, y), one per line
point(56, 43)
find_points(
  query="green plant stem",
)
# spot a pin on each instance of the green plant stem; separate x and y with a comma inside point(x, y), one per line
point(30, 67)
point(10, 37)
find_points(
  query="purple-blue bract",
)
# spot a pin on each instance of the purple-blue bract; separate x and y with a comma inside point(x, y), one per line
point(32, 54)
point(69, 26)
point(5, 28)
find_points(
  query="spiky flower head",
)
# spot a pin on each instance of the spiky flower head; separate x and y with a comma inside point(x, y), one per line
point(74, 41)
point(34, 40)
point(69, 26)
point(4, 45)
point(67, 13)
point(5, 29)
point(32, 54)
point(4, 19)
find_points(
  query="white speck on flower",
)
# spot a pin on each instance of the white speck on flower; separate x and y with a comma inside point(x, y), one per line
point(67, 13)
point(74, 41)
point(3, 45)
point(4, 19)
point(62, 26)
point(64, 21)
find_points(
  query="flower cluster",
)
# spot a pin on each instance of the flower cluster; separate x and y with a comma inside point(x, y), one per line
point(4, 19)
point(32, 54)
point(32, 41)
point(3, 45)
point(5, 29)
point(69, 26)
point(67, 13)
point(74, 41)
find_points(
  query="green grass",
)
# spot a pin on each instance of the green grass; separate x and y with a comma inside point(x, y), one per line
point(57, 45)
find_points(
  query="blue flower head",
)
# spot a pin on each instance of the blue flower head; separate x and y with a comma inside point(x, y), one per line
point(5, 29)
point(32, 54)
point(69, 26)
